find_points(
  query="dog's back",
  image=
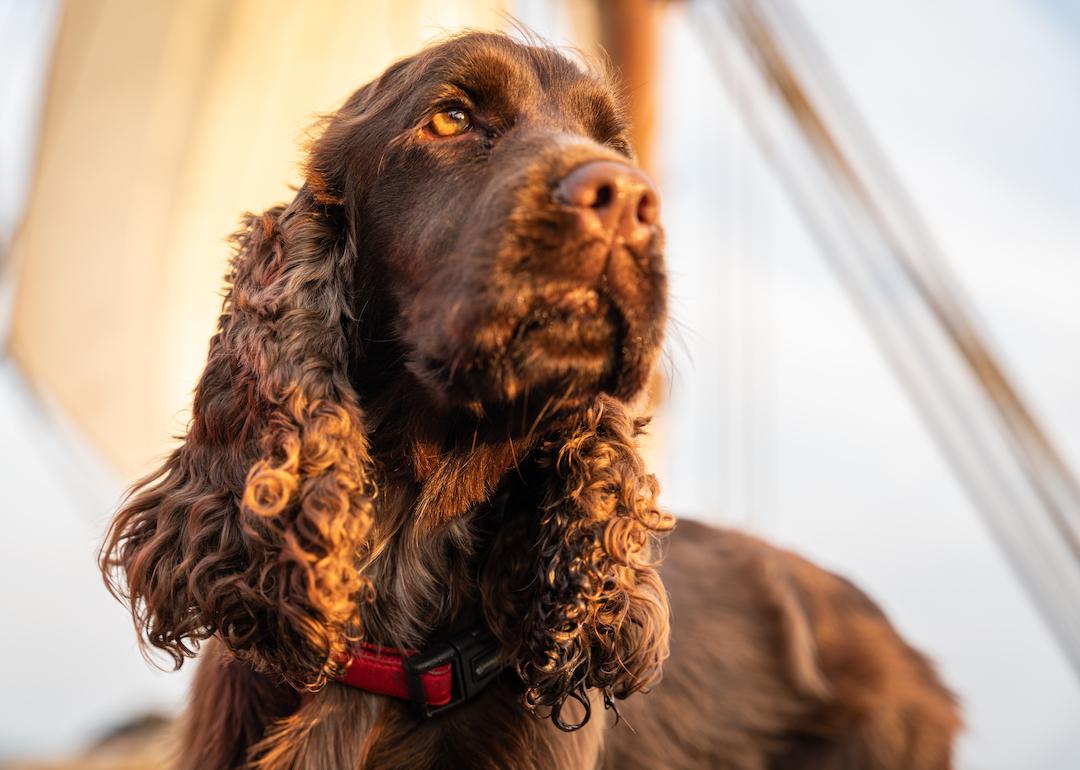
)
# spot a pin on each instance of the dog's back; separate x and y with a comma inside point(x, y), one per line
point(776, 663)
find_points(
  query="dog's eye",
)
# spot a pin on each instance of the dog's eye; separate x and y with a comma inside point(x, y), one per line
point(449, 123)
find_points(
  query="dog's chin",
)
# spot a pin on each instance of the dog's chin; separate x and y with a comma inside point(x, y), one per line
point(546, 376)
point(545, 368)
point(549, 383)
point(559, 355)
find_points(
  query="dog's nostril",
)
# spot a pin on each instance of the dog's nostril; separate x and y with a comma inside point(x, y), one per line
point(603, 197)
point(647, 211)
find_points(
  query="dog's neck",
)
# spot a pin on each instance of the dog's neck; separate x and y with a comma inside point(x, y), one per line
point(443, 476)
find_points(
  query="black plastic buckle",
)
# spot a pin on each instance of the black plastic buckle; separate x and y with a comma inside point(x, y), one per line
point(473, 656)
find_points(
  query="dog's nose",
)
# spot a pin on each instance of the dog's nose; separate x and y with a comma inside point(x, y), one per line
point(615, 202)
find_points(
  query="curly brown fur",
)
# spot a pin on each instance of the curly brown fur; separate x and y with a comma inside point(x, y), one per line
point(417, 415)
point(251, 529)
point(600, 618)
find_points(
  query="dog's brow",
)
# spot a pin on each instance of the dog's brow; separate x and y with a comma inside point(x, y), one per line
point(445, 93)
point(493, 75)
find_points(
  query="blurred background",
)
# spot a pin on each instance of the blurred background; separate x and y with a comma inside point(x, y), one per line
point(133, 134)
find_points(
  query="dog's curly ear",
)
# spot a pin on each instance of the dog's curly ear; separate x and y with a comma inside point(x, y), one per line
point(252, 528)
point(585, 581)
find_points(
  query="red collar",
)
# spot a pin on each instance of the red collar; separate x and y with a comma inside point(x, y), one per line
point(382, 670)
point(434, 679)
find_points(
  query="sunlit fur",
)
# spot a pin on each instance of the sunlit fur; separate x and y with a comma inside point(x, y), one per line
point(600, 620)
point(251, 529)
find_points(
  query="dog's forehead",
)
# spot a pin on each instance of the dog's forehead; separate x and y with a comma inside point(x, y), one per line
point(511, 75)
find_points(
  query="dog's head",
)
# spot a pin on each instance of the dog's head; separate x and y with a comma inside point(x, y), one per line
point(472, 232)
point(491, 185)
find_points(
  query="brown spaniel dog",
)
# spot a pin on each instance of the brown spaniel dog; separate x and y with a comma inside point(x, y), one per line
point(416, 424)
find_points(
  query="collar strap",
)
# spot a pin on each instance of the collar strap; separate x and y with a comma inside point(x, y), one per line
point(433, 680)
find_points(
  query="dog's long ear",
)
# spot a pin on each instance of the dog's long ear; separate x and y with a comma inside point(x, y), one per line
point(252, 528)
point(595, 612)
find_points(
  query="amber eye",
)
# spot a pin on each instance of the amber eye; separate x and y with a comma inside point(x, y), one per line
point(449, 123)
